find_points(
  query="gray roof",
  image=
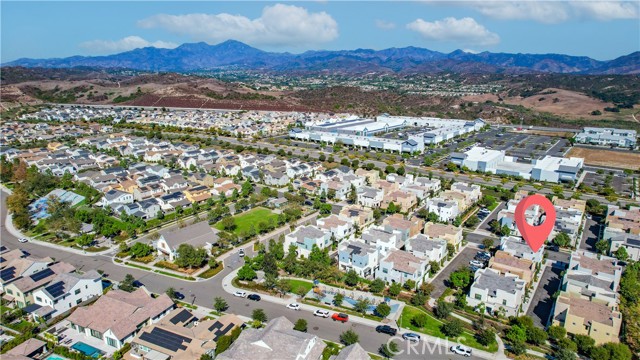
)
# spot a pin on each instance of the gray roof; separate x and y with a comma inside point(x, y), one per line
point(307, 232)
point(591, 281)
point(422, 244)
point(196, 235)
point(356, 247)
point(68, 281)
point(493, 281)
point(352, 352)
point(372, 235)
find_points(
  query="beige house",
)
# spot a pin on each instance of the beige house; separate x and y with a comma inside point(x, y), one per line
point(452, 234)
point(505, 263)
point(360, 216)
point(599, 320)
point(405, 200)
point(372, 175)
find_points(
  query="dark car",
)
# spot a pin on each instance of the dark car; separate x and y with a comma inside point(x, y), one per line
point(179, 295)
point(386, 329)
point(138, 284)
point(254, 297)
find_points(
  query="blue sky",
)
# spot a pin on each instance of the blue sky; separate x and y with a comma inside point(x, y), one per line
point(602, 30)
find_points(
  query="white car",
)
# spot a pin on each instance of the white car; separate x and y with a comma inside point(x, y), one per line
point(461, 350)
point(476, 263)
point(241, 294)
point(321, 313)
point(241, 252)
point(293, 306)
point(23, 240)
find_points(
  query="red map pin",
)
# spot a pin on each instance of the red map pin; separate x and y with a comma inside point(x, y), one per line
point(535, 236)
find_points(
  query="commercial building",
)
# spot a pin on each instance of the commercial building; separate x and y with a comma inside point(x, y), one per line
point(607, 136)
point(555, 169)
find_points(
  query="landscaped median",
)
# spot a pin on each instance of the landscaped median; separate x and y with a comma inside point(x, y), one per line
point(433, 325)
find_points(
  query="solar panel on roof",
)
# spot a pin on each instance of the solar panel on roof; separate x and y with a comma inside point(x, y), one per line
point(165, 339)
point(182, 316)
point(56, 289)
point(2, 259)
point(8, 274)
point(42, 274)
point(216, 325)
point(223, 332)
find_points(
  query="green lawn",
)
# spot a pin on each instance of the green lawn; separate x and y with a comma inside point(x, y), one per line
point(245, 220)
point(295, 284)
point(433, 328)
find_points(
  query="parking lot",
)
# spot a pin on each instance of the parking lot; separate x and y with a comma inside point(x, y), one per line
point(521, 145)
point(620, 182)
point(462, 260)
point(542, 303)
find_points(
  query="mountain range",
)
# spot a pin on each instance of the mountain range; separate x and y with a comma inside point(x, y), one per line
point(233, 54)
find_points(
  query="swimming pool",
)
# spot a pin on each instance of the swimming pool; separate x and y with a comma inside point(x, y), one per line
point(86, 349)
point(55, 357)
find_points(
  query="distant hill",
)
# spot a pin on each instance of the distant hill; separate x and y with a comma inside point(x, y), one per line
point(233, 54)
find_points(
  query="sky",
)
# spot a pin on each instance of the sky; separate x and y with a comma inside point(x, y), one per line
point(601, 30)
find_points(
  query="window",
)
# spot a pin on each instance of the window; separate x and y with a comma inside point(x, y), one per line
point(478, 297)
point(38, 299)
point(9, 291)
point(77, 291)
point(96, 334)
point(504, 302)
point(80, 329)
point(78, 301)
point(112, 342)
point(386, 271)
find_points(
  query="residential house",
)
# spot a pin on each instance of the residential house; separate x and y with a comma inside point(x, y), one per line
point(370, 176)
point(112, 197)
point(403, 200)
point(407, 228)
point(20, 267)
point(20, 291)
point(359, 215)
point(30, 349)
point(358, 256)
point(67, 290)
point(592, 276)
point(599, 320)
point(472, 192)
point(399, 266)
point(383, 240)
point(197, 194)
point(276, 178)
point(426, 248)
point(199, 235)
point(305, 237)
point(180, 336)
point(446, 210)
point(432, 185)
point(277, 340)
point(339, 226)
point(340, 188)
point(630, 242)
point(452, 234)
point(117, 316)
point(506, 263)
point(499, 293)
point(369, 196)
point(352, 352)
point(202, 178)
point(517, 247)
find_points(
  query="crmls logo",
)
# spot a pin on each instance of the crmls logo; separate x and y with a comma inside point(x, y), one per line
point(437, 347)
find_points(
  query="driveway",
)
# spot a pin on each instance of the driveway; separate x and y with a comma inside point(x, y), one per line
point(542, 303)
point(590, 235)
point(462, 260)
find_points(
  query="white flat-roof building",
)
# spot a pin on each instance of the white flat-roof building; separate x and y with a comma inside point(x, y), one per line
point(556, 169)
point(479, 159)
point(607, 136)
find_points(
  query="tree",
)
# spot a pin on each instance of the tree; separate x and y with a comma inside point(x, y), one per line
point(564, 354)
point(301, 325)
point(352, 197)
point(383, 310)
point(516, 334)
point(127, 283)
point(247, 188)
point(420, 320)
point(188, 256)
point(434, 267)
point(376, 286)
point(223, 344)
point(419, 299)
point(556, 332)
point(409, 285)
point(460, 278)
point(486, 336)
point(362, 305)
point(389, 169)
point(518, 348)
point(139, 250)
point(228, 223)
point(618, 351)
point(452, 328)
point(171, 292)
point(84, 240)
point(442, 309)
point(536, 335)
point(602, 246)
point(349, 337)
point(394, 289)
point(269, 264)
point(389, 350)
point(487, 243)
point(351, 278)
point(392, 208)
point(259, 315)
point(585, 343)
point(337, 299)
point(599, 353)
point(621, 254)
point(567, 343)
point(220, 304)
point(562, 240)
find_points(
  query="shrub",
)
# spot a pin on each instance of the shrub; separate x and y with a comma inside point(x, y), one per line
point(420, 320)
point(452, 328)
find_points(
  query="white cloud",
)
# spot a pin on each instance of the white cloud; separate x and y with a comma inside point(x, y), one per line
point(607, 10)
point(550, 11)
point(385, 25)
point(464, 31)
point(124, 44)
point(279, 25)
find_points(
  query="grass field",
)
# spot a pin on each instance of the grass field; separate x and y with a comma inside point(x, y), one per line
point(245, 220)
point(295, 284)
point(433, 328)
point(609, 158)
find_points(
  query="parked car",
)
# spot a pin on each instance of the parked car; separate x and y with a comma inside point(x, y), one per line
point(293, 306)
point(340, 317)
point(484, 254)
point(411, 337)
point(23, 240)
point(474, 268)
point(476, 263)
point(386, 329)
point(321, 313)
point(240, 294)
point(241, 252)
point(461, 350)
point(179, 295)
point(254, 297)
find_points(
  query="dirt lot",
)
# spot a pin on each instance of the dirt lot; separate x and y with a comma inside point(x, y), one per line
point(562, 134)
point(609, 158)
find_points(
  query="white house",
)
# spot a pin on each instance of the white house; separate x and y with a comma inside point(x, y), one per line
point(358, 256)
point(383, 240)
point(518, 248)
point(199, 235)
point(498, 293)
point(446, 210)
point(399, 266)
point(305, 237)
point(116, 197)
point(430, 249)
point(67, 290)
point(340, 227)
point(369, 196)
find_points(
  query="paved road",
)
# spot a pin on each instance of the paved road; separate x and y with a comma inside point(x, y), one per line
point(590, 235)
point(462, 260)
point(542, 303)
point(202, 293)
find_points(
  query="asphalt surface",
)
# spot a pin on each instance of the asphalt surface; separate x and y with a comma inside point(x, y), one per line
point(590, 235)
point(542, 303)
point(202, 293)
point(462, 260)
